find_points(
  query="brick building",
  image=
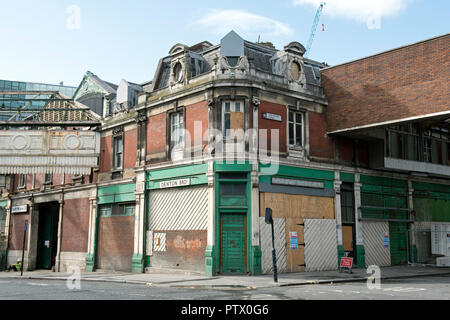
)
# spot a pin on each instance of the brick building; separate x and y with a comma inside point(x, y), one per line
point(347, 157)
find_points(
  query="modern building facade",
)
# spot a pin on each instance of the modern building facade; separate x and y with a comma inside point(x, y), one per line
point(347, 157)
point(10, 103)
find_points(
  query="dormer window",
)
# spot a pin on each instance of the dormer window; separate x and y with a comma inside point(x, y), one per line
point(295, 70)
point(178, 72)
point(232, 61)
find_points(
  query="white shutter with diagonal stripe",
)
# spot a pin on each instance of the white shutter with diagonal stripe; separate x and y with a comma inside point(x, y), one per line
point(320, 245)
point(265, 230)
point(178, 209)
point(375, 252)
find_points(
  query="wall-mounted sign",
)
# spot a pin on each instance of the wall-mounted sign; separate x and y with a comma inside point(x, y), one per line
point(272, 116)
point(386, 240)
point(19, 209)
point(298, 183)
point(175, 183)
point(293, 240)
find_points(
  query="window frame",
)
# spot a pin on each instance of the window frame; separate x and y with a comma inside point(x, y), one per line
point(303, 128)
point(22, 184)
point(115, 153)
point(50, 181)
point(181, 126)
point(233, 103)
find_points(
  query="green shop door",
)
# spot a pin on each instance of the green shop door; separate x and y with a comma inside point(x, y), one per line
point(47, 235)
point(399, 241)
point(232, 243)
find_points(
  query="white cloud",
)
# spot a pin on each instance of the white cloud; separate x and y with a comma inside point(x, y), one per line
point(245, 23)
point(359, 10)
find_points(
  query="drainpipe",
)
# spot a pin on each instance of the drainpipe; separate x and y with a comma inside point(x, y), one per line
point(8, 228)
point(58, 254)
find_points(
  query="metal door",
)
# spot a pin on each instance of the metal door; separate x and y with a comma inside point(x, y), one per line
point(232, 245)
point(44, 247)
point(399, 242)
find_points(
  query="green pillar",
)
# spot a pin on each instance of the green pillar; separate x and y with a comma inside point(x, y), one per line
point(255, 263)
point(341, 253)
point(137, 263)
point(90, 262)
point(360, 257)
point(210, 266)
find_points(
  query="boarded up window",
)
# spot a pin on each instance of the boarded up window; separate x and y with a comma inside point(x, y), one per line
point(233, 119)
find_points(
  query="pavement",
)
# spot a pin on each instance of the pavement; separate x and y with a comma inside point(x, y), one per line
point(177, 278)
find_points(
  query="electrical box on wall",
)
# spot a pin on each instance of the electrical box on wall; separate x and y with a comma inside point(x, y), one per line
point(440, 239)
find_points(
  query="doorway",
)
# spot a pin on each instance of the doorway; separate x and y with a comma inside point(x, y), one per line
point(47, 246)
point(233, 253)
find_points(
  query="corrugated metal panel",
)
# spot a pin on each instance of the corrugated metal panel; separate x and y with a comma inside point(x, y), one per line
point(179, 209)
point(265, 230)
point(320, 245)
point(373, 234)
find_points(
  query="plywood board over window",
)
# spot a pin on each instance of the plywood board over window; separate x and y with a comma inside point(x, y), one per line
point(295, 209)
point(237, 120)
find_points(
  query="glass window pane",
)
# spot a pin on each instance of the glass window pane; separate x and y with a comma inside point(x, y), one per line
point(298, 118)
point(291, 116)
point(298, 135)
point(291, 133)
point(227, 107)
point(237, 107)
point(227, 124)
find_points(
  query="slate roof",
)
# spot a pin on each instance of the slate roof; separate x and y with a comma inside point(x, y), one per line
point(260, 55)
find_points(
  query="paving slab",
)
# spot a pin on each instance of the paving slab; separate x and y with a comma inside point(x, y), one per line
point(197, 280)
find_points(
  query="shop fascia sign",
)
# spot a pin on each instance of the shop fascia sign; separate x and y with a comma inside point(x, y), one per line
point(175, 183)
point(298, 183)
point(19, 209)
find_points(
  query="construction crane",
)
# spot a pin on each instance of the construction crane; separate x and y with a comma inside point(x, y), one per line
point(314, 28)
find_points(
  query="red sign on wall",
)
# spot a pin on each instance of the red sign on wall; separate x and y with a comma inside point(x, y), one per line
point(346, 262)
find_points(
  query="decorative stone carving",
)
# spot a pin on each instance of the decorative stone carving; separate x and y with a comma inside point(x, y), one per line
point(141, 117)
point(117, 130)
point(241, 68)
point(289, 63)
point(256, 102)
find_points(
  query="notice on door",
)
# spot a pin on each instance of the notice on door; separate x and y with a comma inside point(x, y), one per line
point(386, 240)
point(293, 240)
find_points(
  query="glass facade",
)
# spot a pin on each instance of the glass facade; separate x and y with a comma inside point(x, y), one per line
point(18, 101)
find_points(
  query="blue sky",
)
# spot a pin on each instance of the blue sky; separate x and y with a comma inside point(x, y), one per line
point(43, 41)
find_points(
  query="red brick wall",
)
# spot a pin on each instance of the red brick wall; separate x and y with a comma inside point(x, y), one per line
point(197, 112)
point(320, 145)
point(346, 149)
point(184, 250)
point(156, 133)
point(274, 108)
point(402, 83)
point(75, 225)
point(105, 154)
point(130, 148)
point(17, 230)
